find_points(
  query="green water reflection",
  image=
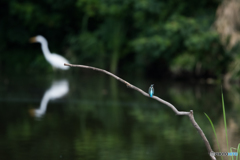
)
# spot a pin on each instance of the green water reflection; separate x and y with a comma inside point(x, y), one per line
point(101, 119)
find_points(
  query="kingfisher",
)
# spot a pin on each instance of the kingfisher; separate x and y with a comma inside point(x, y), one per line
point(151, 90)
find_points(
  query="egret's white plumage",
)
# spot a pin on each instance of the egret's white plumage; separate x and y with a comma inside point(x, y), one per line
point(57, 61)
point(57, 90)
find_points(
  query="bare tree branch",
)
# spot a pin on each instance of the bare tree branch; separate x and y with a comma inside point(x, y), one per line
point(189, 114)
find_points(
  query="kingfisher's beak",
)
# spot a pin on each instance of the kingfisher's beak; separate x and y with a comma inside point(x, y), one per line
point(32, 40)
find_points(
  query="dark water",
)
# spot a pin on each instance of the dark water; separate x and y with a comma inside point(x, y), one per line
point(95, 117)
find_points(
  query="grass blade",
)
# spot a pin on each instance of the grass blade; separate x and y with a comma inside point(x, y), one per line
point(214, 132)
point(232, 151)
point(224, 117)
point(238, 151)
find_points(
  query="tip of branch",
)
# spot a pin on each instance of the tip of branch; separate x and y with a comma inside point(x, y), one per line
point(191, 112)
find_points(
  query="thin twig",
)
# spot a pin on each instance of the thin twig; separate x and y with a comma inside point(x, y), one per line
point(189, 114)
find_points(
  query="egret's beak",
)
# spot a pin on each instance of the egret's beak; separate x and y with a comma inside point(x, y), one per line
point(32, 112)
point(32, 40)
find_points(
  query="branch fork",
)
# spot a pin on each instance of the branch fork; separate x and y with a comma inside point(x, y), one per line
point(182, 113)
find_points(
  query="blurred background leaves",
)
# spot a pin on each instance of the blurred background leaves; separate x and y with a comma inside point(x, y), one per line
point(150, 37)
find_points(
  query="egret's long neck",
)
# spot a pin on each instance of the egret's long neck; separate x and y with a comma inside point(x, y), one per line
point(44, 45)
point(44, 102)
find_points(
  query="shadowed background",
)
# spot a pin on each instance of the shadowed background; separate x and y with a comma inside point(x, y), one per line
point(184, 39)
point(187, 49)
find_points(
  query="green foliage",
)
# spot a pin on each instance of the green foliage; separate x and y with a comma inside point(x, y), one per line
point(121, 34)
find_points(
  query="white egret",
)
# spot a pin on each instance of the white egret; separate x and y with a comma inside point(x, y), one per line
point(57, 61)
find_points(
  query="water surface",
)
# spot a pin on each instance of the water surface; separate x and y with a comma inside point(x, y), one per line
point(95, 117)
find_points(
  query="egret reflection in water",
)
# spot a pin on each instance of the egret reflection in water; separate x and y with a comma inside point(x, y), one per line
point(57, 90)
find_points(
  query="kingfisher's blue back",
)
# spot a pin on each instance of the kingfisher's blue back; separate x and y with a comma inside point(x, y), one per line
point(151, 90)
